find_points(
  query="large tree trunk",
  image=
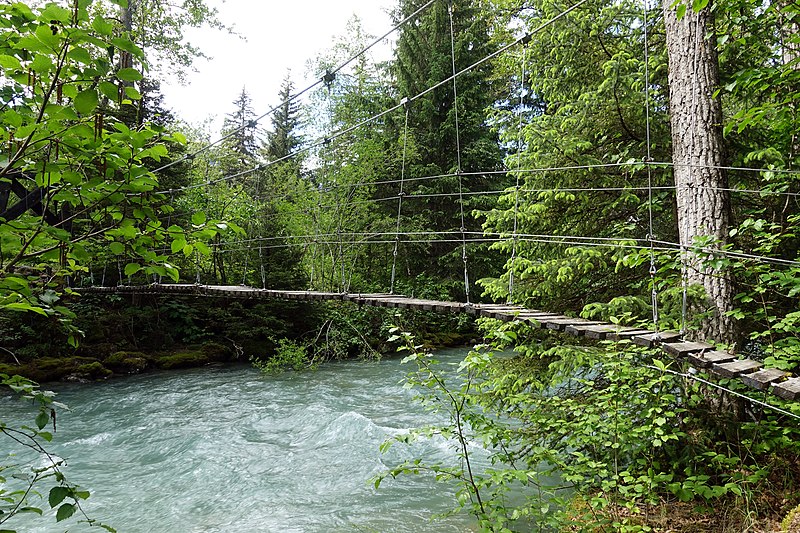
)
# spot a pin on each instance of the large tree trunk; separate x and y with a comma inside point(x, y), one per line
point(697, 154)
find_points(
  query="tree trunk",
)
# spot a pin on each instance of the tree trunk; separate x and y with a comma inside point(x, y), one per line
point(697, 155)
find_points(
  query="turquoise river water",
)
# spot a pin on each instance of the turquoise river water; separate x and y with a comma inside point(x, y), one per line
point(227, 449)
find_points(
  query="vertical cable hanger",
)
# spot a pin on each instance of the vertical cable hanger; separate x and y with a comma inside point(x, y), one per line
point(400, 195)
point(458, 153)
point(648, 163)
point(519, 168)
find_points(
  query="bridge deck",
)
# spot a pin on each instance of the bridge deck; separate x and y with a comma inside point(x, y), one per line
point(699, 354)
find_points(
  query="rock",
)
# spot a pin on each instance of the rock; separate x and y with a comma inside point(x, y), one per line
point(127, 362)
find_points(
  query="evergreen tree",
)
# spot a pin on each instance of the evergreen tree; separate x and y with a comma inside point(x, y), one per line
point(242, 136)
point(446, 144)
point(284, 138)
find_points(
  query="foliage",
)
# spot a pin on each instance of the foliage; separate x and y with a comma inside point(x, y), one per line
point(288, 355)
point(583, 436)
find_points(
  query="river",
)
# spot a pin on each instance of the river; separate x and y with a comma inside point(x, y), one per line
point(228, 449)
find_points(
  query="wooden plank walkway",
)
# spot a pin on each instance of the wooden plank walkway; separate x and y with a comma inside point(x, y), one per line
point(699, 354)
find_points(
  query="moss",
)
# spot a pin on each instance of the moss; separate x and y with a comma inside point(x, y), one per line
point(92, 371)
point(182, 360)
point(216, 351)
point(127, 362)
point(47, 369)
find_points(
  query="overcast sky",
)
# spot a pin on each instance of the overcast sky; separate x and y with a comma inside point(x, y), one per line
point(281, 35)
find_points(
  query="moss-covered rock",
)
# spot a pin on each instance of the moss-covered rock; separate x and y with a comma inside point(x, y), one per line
point(47, 369)
point(93, 371)
point(127, 362)
point(216, 351)
point(182, 360)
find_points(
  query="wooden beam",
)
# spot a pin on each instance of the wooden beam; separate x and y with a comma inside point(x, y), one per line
point(654, 339)
point(762, 379)
point(682, 349)
point(735, 368)
point(788, 390)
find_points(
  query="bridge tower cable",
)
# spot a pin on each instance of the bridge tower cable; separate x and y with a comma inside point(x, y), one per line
point(458, 153)
point(400, 195)
point(515, 236)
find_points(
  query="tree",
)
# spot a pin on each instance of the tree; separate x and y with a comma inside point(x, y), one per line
point(702, 197)
point(284, 138)
point(84, 194)
point(424, 57)
point(576, 127)
point(158, 28)
point(241, 136)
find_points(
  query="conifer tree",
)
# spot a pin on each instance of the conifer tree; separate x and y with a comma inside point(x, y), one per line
point(284, 139)
point(448, 145)
point(242, 136)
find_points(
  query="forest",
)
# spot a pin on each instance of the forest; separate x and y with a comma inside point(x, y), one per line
point(626, 162)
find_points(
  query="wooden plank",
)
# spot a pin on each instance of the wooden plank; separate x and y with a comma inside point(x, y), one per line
point(682, 349)
point(600, 331)
point(496, 311)
point(590, 331)
point(762, 379)
point(627, 334)
point(541, 321)
point(654, 339)
point(735, 368)
point(706, 359)
point(560, 324)
point(788, 390)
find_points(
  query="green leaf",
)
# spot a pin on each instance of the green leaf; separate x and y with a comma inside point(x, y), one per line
point(9, 62)
point(199, 218)
point(681, 11)
point(132, 93)
point(81, 55)
point(41, 64)
point(109, 90)
point(42, 419)
point(57, 495)
point(202, 248)
point(102, 26)
point(24, 306)
point(129, 74)
point(65, 511)
point(117, 248)
point(699, 5)
point(132, 268)
point(86, 101)
point(177, 245)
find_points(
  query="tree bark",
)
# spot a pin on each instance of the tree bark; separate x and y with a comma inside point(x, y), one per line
point(703, 206)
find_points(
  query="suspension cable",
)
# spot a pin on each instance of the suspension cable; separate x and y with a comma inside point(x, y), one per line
point(381, 114)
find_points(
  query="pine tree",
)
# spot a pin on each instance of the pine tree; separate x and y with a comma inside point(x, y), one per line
point(284, 139)
point(424, 58)
point(242, 136)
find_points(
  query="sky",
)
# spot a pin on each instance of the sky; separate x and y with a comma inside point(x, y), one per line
point(280, 35)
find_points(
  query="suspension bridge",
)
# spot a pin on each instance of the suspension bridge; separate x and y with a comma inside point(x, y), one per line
point(700, 354)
